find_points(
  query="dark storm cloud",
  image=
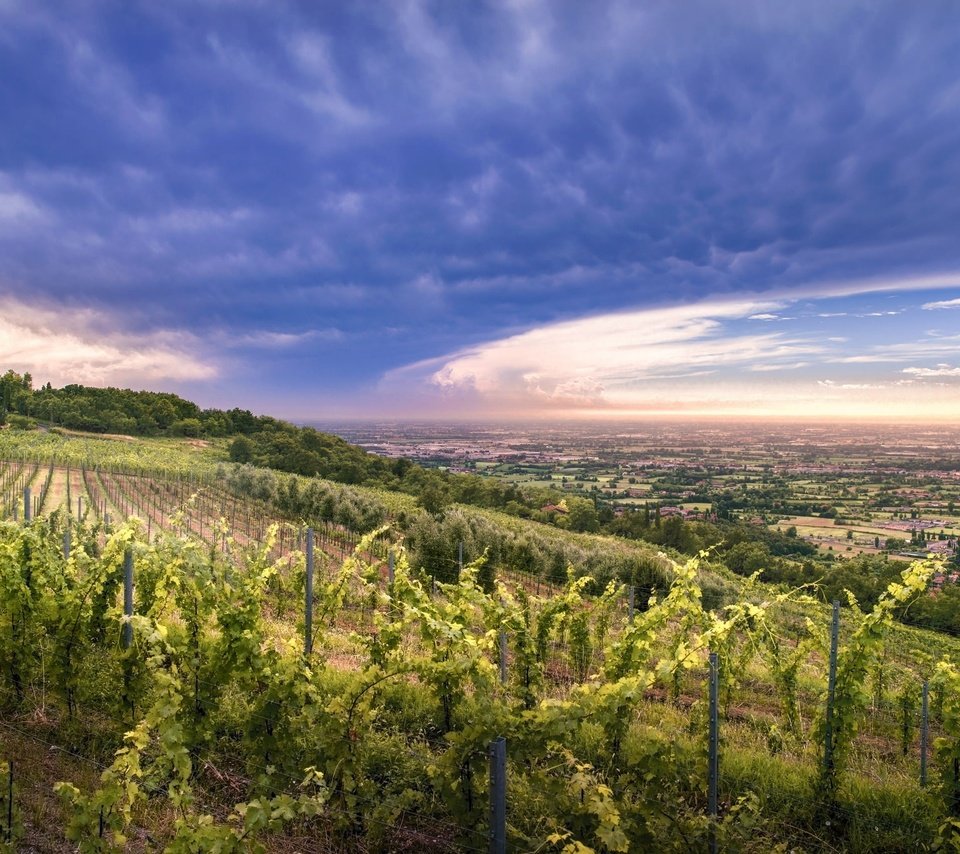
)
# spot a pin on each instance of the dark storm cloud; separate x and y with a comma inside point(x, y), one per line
point(387, 182)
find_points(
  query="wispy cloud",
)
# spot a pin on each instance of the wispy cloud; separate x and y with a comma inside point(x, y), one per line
point(271, 340)
point(905, 351)
point(62, 344)
point(660, 357)
point(323, 89)
point(942, 370)
point(940, 304)
point(848, 386)
point(791, 366)
point(18, 208)
point(609, 357)
point(111, 89)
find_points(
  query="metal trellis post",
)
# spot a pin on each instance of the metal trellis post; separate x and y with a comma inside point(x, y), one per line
point(127, 598)
point(503, 657)
point(831, 686)
point(498, 795)
point(713, 762)
point(924, 731)
point(308, 607)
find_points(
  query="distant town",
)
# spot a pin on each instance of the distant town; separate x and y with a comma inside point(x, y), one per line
point(847, 489)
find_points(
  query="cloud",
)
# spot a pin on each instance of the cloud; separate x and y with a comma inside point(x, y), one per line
point(609, 357)
point(16, 207)
point(310, 98)
point(792, 366)
point(606, 357)
point(947, 345)
point(939, 304)
point(191, 221)
point(848, 386)
point(69, 345)
point(323, 92)
point(660, 359)
point(942, 370)
point(108, 87)
point(887, 284)
point(266, 339)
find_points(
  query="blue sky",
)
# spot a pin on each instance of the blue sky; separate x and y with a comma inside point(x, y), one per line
point(445, 209)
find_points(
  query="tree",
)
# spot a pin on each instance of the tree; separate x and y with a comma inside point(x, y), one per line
point(163, 413)
point(434, 497)
point(186, 427)
point(12, 389)
point(241, 450)
point(746, 558)
point(582, 515)
point(401, 466)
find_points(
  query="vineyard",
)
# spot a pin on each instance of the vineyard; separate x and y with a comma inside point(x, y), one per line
point(195, 505)
point(186, 668)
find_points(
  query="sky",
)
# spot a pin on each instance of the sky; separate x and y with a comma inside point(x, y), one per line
point(412, 209)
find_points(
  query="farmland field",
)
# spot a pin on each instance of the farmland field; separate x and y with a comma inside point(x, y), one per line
point(862, 479)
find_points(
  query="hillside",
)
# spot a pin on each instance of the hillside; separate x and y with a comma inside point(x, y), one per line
point(257, 439)
point(604, 707)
